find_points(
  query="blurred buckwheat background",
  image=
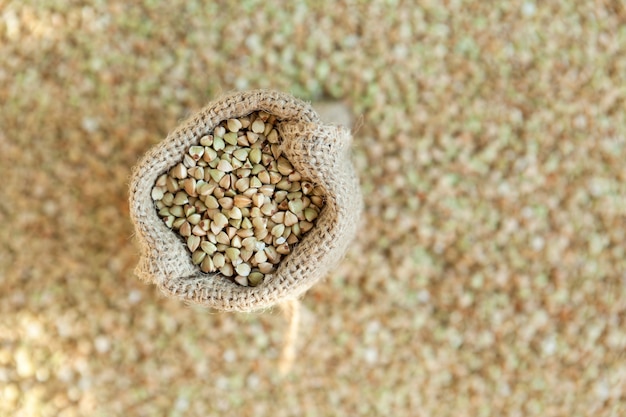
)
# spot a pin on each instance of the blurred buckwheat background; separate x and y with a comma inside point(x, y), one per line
point(489, 273)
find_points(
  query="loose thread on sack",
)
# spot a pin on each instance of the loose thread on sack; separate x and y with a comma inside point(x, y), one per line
point(291, 310)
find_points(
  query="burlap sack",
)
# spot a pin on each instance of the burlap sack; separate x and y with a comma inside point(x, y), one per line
point(317, 151)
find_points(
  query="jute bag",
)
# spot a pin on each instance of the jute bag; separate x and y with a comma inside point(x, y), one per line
point(318, 152)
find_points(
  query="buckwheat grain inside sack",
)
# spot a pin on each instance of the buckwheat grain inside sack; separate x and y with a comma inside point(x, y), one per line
point(246, 204)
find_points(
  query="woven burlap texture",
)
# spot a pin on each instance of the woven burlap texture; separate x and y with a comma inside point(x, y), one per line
point(319, 152)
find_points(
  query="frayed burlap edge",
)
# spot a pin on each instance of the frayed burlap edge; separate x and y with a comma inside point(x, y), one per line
point(317, 151)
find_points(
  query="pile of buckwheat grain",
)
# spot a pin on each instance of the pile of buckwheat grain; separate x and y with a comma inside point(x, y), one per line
point(237, 201)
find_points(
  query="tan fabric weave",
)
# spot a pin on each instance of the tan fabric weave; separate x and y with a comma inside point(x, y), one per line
point(317, 151)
